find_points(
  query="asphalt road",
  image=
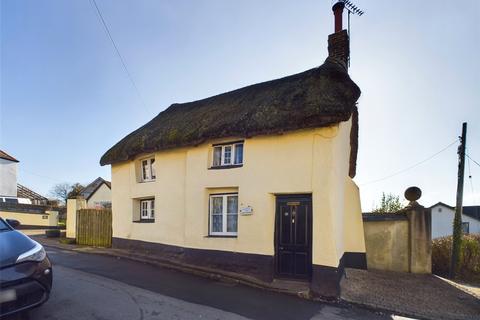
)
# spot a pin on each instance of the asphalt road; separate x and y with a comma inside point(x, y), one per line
point(88, 286)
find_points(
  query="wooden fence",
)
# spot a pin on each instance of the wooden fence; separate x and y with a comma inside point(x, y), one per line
point(94, 227)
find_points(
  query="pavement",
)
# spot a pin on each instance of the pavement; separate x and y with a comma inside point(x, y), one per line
point(89, 286)
point(387, 294)
point(424, 296)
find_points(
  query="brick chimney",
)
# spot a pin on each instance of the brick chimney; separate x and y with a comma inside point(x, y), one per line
point(338, 42)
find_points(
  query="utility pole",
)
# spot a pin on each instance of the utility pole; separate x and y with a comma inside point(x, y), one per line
point(457, 221)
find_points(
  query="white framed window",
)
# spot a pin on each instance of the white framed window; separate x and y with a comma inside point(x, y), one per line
point(147, 167)
point(147, 209)
point(228, 154)
point(223, 214)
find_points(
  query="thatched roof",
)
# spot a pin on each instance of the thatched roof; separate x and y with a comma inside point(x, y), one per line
point(318, 97)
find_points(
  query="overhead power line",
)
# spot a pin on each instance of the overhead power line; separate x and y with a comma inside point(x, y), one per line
point(410, 167)
point(39, 175)
point(470, 176)
point(129, 75)
point(478, 164)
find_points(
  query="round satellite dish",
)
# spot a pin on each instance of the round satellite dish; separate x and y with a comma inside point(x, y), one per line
point(413, 193)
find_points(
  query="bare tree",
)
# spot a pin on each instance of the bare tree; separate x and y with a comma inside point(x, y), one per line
point(64, 191)
point(60, 191)
point(75, 190)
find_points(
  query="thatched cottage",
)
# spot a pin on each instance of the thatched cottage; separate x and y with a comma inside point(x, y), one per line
point(255, 182)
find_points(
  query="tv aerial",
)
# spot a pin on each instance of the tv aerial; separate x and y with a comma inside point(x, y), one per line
point(351, 9)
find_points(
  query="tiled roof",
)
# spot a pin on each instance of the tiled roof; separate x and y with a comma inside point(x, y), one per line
point(6, 156)
point(472, 212)
point(89, 190)
point(24, 192)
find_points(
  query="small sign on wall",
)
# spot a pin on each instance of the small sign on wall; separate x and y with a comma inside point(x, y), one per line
point(245, 211)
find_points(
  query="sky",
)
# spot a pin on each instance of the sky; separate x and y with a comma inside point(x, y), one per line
point(65, 97)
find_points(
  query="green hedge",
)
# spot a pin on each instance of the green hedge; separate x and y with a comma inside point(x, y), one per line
point(469, 269)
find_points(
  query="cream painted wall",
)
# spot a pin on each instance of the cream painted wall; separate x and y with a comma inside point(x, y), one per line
point(353, 221)
point(103, 194)
point(72, 206)
point(49, 219)
point(8, 178)
point(312, 161)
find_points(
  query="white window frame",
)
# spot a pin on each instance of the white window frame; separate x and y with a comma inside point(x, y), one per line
point(224, 231)
point(147, 169)
point(147, 209)
point(233, 150)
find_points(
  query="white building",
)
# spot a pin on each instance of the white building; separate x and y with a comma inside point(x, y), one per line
point(19, 202)
point(442, 219)
point(8, 177)
point(98, 194)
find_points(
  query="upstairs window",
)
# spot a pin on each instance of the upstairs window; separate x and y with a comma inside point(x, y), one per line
point(148, 169)
point(228, 155)
point(224, 214)
point(147, 209)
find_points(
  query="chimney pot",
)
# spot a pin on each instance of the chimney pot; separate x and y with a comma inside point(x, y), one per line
point(338, 13)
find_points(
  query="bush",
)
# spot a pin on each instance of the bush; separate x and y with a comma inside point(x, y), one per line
point(469, 268)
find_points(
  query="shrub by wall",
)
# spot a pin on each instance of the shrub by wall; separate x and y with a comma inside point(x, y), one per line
point(469, 269)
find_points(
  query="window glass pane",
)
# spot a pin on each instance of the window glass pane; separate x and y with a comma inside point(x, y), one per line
point(232, 222)
point(239, 153)
point(465, 227)
point(152, 168)
point(217, 205)
point(227, 155)
point(144, 169)
point(217, 156)
point(217, 223)
point(143, 209)
point(232, 204)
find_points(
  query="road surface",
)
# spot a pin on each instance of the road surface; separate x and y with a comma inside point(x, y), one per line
point(89, 286)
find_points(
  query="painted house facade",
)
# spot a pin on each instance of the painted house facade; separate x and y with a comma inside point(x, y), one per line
point(442, 220)
point(97, 194)
point(19, 202)
point(8, 176)
point(256, 181)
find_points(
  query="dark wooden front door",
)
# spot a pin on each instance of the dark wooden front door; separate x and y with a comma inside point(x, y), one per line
point(293, 236)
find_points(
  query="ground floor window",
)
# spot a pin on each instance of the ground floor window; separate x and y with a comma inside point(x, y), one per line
point(223, 214)
point(465, 227)
point(147, 209)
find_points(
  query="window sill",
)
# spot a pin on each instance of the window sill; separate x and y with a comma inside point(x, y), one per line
point(221, 236)
point(146, 181)
point(144, 221)
point(226, 167)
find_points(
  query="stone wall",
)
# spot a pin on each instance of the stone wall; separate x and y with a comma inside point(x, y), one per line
point(401, 241)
